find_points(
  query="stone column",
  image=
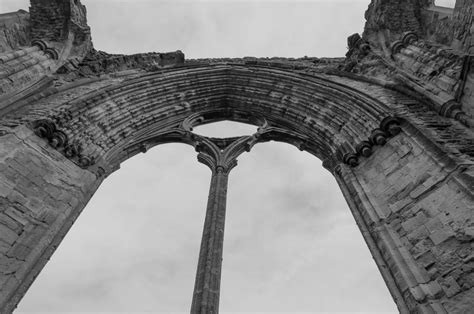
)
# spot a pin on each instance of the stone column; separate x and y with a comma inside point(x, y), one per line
point(208, 277)
point(220, 155)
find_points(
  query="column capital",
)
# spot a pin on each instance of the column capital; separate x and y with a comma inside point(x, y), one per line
point(220, 155)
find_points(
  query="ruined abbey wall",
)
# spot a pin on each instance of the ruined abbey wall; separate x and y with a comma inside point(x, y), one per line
point(393, 121)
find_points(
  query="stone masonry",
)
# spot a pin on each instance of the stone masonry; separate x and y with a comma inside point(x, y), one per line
point(392, 121)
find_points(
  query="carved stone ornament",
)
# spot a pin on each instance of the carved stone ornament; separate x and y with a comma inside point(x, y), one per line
point(59, 140)
point(389, 127)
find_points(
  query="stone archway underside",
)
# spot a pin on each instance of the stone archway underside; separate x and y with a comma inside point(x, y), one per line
point(399, 143)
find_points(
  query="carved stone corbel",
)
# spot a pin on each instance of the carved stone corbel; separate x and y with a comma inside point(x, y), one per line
point(44, 128)
point(356, 43)
point(85, 161)
point(52, 53)
point(347, 154)
point(59, 140)
point(72, 150)
point(389, 127)
point(364, 148)
point(40, 44)
point(43, 46)
point(378, 137)
point(408, 38)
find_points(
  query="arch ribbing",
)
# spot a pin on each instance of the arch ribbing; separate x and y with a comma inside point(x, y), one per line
point(103, 123)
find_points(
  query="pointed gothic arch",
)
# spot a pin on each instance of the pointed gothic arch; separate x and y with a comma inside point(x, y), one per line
point(399, 142)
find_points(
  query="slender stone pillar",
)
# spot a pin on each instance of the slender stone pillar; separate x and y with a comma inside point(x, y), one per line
point(208, 277)
point(220, 155)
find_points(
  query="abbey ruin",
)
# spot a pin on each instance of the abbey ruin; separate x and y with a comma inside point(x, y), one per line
point(392, 121)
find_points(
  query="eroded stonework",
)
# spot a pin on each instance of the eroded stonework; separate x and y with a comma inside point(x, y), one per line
point(392, 120)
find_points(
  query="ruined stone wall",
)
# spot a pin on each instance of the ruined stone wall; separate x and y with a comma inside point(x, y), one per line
point(41, 195)
point(467, 96)
point(433, 59)
point(25, 68)
point(453, 29)
point(15, 30)
point(392, 121)
point(442, 74)
point(52, 20)
point(388, 20)
point(432, 64)
point(48, 22)
point(418, 206)
point(96, 63)
point(116, 116)
point(454, 34)
point(394, 17)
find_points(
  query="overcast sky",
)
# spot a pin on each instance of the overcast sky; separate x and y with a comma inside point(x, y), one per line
point(291, 244)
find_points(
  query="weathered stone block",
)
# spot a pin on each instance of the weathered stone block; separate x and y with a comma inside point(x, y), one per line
point(395, 207)
point(450, 286)
point(469, 232)
point(441, 235)
point(5, 189)
point(4, 247)
point(415, 222)
point(19, 252)
point(17, 215)
point(421, 248)
point(8, 265)
point(434, 224)
point(418, 234)
point(460, 302)
point(7, 235)
point(48, 216)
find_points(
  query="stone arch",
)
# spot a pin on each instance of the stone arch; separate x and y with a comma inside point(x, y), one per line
point(311, 112)
point(333, 117)
point(399, 142)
